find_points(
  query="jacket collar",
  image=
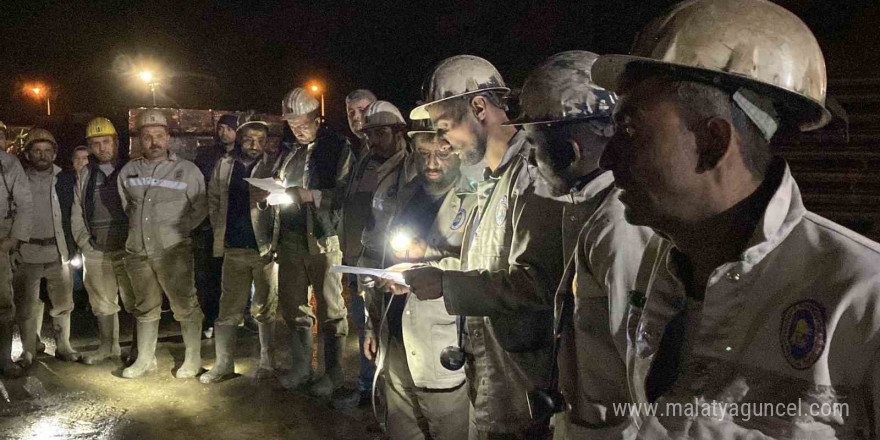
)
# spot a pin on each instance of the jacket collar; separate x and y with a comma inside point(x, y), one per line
point(517, 145)
point(784, 212)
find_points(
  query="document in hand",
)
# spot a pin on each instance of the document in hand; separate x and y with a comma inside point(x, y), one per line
point(397, 277)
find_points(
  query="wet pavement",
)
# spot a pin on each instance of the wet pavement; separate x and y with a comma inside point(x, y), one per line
point(62, 400)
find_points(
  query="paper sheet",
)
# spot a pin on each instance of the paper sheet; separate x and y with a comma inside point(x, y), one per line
point(397, 277)
point(268, 184)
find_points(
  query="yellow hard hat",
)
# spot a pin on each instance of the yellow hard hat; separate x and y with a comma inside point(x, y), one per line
point(3, 127)
point(733, 44)
point(100, 127)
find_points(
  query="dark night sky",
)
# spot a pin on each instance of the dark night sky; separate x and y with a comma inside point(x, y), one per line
point(227, 55)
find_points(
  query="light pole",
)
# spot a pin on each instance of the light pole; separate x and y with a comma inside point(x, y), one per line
point(147, 77)
point(315, 88)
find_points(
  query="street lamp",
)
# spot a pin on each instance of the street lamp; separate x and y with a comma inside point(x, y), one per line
point(316, 89)
point(147, 77)
point(38, 91)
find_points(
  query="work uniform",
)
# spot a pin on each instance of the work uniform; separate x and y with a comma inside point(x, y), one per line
point(15, 222)
point(590, 300)
point(413, 333)
point(243, 234)
point(793, 323)
point(100, 228)
point(510, 267)
point(308, 242)
point(45, 254)
point(164, 201)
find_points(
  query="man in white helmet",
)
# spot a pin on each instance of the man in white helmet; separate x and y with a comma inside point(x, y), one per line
point(16, 210)
point(751, 316)
point(100, 228)
point(45, 255)
point(511, 261)
point(315, 172)
point(568, 119)
point(243, 232)
point(164, 198)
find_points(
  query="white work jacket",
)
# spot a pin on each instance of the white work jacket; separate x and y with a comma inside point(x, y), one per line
point(790, 333)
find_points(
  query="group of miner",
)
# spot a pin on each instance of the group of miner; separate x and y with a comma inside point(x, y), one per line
point(630, 242)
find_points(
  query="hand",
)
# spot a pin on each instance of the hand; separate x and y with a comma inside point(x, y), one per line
point(425, 282)
point(393, 287)
point(7, 244)
point(371, 345)
point(301, 194)
point(415, 251)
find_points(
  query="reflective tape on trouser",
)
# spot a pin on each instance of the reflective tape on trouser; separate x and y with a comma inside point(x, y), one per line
point(169, 272)
point(7, 305)
point(241, 269)
point(106, 279)
point(26, 285)
point(296, 272)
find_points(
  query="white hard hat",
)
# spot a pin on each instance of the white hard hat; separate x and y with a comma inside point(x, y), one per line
point(382, 114)
point(297, 103)
point(732, 44)
point(150, 117)
point(458, 76)
point(421, 126)
point(560, 89)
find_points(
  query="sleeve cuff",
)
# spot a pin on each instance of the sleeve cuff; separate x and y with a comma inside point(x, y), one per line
point(316, 197)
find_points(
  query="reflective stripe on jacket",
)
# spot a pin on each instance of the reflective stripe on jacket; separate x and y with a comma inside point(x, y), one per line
point(164, 202)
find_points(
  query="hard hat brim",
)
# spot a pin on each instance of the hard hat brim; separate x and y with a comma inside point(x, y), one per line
point(367, 127)
point(260, 123)
point(807, 113)
point(421, 112)
point(526, 121)
point(410, 134)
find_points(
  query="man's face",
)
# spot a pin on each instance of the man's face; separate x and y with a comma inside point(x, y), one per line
point(382, 141)
point(41, 155)
point(435, 159)
point(80, 160)
point(467, 137)
point(225, 134)
point(253, 142)
point(305, 128)
point(155, 142)
point(654, 159)
point(555, 148)
point(355, 112)
point(104, 148)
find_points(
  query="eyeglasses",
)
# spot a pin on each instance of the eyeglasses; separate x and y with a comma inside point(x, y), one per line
point(441, 153)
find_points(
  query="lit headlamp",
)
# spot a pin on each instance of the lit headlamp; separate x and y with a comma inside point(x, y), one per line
point(401, 240)
point(279, 199)
point(76, 261)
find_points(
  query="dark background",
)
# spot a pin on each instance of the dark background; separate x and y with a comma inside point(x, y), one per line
point(230, 55)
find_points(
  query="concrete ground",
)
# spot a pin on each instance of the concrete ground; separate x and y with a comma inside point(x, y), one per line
point(62, 400)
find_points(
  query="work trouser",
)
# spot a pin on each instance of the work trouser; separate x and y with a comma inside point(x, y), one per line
point(298, 271)
point(208, 273)
point(106, 279)
point(419, 413)
point(241, 269)
point(364, 380)
point(7, 301)
point(171, 272)
point(26, 284)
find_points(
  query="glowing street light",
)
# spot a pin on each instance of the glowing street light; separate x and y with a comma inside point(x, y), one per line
point(316, 89)
point(38, 91)
point(147, 77)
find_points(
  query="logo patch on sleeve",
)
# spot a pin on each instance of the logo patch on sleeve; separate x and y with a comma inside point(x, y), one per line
point(458, 220)
point(501, 214)
point(802, 333)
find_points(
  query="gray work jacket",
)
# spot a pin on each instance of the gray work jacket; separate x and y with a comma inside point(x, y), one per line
point(16, 206)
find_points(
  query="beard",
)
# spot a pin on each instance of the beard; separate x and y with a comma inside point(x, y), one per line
point(42, 165)
point(477, 152)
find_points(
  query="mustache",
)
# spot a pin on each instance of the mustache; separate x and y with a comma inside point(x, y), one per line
point(432, 170)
